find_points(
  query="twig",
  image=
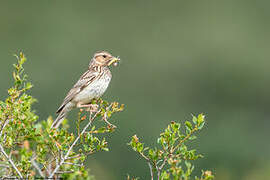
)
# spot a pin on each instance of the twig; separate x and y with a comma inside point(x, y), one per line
point(4, 138)
point(74, 164)
point(79, 155)
point(59, 152)
point(106, 121)
point(4, 165)
point(46, 169)
point(146, 158)
point(73, 157)
point(106, 116)
point(160, 168)
point(158, 172)
point(183, 140)
point(10, 161)
point(62, 172)
point(37, 167)
point(151, 170)
point(73, 144)
point(149, 164)
point(4, 125)
point(163, 164)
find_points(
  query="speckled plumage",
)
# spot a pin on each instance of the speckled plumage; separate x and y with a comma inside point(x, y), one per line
point(92, 84)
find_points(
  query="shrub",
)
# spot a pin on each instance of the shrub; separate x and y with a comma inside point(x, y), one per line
point(31, 149)
point(167, 161)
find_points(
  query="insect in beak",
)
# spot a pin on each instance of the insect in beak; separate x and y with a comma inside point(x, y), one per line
point(114, 61)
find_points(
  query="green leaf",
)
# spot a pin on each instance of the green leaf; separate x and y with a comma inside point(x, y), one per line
point(200, 118)
point(176, 127)
point(189, 125)
point(194, 119)
point(192, 137)
point(201, 125)
point(151, 152)
point(139, 147)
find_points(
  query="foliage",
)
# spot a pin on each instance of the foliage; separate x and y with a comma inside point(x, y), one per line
point(172, 158)
point(30, 149)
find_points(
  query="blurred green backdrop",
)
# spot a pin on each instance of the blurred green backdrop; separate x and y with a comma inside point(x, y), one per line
point(178, 57)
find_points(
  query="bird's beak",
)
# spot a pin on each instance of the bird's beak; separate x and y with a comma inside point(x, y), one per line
point(114, 60)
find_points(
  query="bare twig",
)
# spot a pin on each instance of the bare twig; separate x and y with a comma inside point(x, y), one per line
point(149, 164)
point(37, 167)
point(46, 169)
point(158, 172)
point(160, 168)
point(163, 164)
point(3, 127)
point(59, 152)
point(10, 161)
point(106, 117)
point(4, 138)
point(73, 144)
point(106, 121)
point(151, 170)
point(146, 158)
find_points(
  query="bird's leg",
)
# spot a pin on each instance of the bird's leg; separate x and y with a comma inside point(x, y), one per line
point(90, 107)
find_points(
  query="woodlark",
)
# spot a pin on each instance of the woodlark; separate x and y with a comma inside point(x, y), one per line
point(92, 84)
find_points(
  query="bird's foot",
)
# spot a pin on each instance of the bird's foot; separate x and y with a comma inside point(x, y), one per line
point(89, 107)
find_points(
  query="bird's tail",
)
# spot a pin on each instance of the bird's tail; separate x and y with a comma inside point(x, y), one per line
point(61, 116)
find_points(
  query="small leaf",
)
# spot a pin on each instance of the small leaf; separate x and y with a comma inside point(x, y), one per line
point(189, 125)
point(192, 137)
point(194, 119)
point(201, 125)
point(139, 147)
point(200, 118)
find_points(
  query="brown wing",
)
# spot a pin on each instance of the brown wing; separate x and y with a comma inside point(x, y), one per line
point(88, 77)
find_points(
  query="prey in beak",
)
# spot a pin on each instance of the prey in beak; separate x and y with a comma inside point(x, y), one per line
point(114, 61)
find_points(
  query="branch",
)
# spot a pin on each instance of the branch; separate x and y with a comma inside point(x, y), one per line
point(106, 116)
point(149, 164)
point(158, 172)
point(74, 157)
point(163, 164)
point(73, 144)
point(64, 172)
point(4, 125)
point(10, 161)
point(151, 170)
point(37, 168)
point(183, 140)
point(74, 164)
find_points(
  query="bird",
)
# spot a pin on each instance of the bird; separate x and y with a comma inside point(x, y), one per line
point(91, 85)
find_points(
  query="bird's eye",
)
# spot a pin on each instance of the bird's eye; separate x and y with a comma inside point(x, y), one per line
point(104, 56)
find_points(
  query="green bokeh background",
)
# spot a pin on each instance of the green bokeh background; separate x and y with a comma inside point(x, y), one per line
point(178, 57)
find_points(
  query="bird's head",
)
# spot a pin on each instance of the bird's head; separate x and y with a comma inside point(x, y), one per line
point(103, 58)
